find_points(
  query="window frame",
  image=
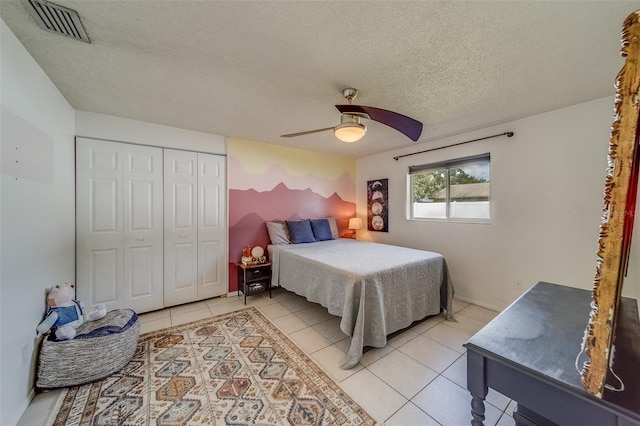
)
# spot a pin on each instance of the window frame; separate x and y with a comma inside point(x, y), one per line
point(447, 165)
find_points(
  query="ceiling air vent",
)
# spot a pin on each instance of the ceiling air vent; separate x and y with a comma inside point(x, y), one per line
point(57, 19)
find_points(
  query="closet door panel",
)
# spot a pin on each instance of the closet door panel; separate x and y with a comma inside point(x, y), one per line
point(182, 265)
point(140, 273)
point(212, 230)
point(143, 228)
point(104, 202)
point(210, 278)
point(99, 223)
point(104, 268)
point(180, 227)
point(183, 207)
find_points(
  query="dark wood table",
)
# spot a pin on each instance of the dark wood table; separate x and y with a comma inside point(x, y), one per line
point(528, 353)
point(253, 279)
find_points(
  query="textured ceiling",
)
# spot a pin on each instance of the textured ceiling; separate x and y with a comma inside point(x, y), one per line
point(257, 70)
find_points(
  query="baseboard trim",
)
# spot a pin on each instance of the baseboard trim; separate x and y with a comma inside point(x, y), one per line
point(479, 303)
point(24, 406)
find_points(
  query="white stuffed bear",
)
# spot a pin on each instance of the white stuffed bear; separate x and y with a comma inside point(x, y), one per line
point(64, 314)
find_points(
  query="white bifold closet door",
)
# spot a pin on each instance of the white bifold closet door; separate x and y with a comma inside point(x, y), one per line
point(194, 226)
point(119, 225)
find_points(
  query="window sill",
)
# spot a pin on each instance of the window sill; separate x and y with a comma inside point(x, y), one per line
point(471, 221)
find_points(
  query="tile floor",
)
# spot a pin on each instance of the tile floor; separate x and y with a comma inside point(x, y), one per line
point(419, 378)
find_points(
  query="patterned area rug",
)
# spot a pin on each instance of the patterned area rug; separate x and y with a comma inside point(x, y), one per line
point(233, 369)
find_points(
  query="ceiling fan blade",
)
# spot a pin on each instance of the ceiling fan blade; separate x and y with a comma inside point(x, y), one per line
point(308, 132)
point(405, 125)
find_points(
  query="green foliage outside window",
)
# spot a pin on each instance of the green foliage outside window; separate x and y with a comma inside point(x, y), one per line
point(426, 185)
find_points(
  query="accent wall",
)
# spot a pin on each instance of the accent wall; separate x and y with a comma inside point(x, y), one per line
point(274, 183)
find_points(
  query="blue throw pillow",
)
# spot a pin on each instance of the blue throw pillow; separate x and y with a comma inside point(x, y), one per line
point(300, 231)
point(321, 229)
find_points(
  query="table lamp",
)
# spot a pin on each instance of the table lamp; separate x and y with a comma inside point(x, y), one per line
point(355, 223)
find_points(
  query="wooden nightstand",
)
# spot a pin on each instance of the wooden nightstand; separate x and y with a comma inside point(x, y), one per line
point(254, 279)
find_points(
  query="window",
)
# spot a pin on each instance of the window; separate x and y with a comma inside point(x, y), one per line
point(456, 190)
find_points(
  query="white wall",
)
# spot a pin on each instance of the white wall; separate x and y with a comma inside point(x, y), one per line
point(36, 215)
point(118, 129)
point(37, 204)
point(546, 201)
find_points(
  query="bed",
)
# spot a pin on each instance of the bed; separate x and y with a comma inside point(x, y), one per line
point(376, 289)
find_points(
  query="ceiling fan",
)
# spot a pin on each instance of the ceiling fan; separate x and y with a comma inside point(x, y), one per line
point(351, 129)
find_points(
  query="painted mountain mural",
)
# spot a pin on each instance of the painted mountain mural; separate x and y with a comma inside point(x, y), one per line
point(325, 182)
point(252, 209)
point(275, 183)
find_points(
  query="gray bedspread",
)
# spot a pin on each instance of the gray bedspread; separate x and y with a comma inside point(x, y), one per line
point(376, 288)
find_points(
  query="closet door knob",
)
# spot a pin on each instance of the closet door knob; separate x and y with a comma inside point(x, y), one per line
point(139, 239)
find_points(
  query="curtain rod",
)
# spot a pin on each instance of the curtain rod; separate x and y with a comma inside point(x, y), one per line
point(507, 134)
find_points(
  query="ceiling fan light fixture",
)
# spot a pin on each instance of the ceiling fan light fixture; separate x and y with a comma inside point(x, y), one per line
point(350, 129)
point(350, 132)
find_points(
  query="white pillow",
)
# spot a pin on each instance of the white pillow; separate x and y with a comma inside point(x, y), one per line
point(278, 233)
point(334, 227)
